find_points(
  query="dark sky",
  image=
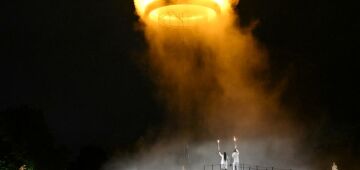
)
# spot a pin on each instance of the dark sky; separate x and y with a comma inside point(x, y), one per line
point(80, 62)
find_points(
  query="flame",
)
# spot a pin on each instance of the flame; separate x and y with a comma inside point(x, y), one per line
point(140, 6)
point(182, 12)
point(180, 15)
point(224, 4)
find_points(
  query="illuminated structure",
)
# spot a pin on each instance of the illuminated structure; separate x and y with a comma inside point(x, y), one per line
point(181, 12)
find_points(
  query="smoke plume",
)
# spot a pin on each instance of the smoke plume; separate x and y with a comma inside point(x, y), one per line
point(210, 78)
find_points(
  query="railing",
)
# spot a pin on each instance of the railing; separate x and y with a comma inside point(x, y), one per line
point(241, 167)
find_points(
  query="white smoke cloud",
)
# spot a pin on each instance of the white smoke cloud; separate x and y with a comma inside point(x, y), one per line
point(265, 152)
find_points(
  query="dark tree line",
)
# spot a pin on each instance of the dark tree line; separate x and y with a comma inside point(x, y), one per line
point(25, 139)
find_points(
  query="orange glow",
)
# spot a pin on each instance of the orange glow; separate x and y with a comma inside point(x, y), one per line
point(182, 12)
point(141, 5)
point(182, 15)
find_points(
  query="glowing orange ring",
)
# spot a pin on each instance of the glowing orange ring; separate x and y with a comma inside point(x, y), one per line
point(181, 14)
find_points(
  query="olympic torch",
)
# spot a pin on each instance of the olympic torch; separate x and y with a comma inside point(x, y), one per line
point(218, 142)
point(235, 142)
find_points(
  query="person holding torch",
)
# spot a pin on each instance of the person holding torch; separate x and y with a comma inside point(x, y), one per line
point(235, 156)
point(223, 163)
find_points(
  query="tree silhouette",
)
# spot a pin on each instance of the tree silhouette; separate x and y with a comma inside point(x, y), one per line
point(26, 139)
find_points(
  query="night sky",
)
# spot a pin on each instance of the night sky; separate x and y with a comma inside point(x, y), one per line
point(81, 63)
